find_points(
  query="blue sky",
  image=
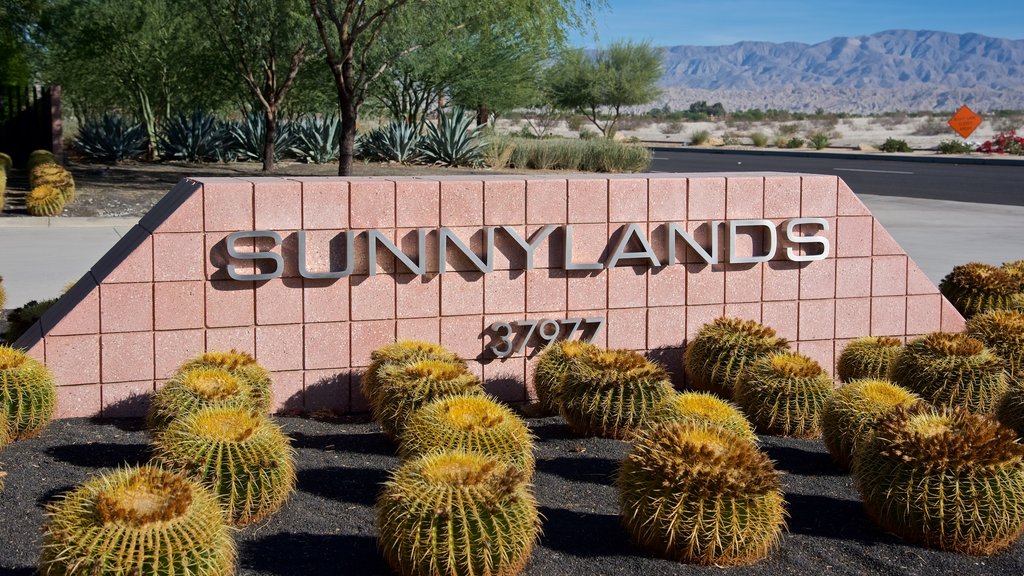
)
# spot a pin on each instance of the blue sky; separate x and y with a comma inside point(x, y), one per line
point(717, 22)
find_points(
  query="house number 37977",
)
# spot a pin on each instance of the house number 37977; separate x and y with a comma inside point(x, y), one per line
point(508, 338)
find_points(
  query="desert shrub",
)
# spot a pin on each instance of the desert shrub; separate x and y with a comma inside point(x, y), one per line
point(396, 142)
point(1004, 143)
point(700, 137)
point(895, 145)
point(316, 139)
point(673, 127)
point(820, 140)
point(794, 142)
point(715, 357)
point(194, 137)
point(588, 134)
point(788, 129)
point(976, 287)
point(759, 139)
point(452, 141)
point(851, 414)
point(574, 122)
point(23, 317)
point(111, 138)
point(596, 155)
point(27, 393)
point(931, 126)
point(954, 147)
point(244, 140)
point(784, 394)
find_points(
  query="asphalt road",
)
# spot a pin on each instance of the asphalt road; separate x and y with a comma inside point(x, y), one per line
point(985, 184)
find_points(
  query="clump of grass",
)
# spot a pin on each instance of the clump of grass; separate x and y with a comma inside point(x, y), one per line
point(700, 137)
point(895, 145)
point(595, 155)
point(820, 140)
point(759, 139)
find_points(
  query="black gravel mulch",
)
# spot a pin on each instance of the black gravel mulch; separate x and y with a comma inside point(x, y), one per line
point(327, 527)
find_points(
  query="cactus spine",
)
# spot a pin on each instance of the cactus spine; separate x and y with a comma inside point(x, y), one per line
point(399, 353)
point(404, 388)
point(784, 394)
point(974, 288)
point(945, 478)
point(612, 393)
point(1002, 331)
point(706, 409)
point(27, 393)
point(869, 357)
point(952, 370)
point(722, 348)
point(243, 457)
point(852, 412)
point(243, 366)
point(44, 201)
point(193, 389)
point(701, 495)
point(456, 514)
point(552, 364)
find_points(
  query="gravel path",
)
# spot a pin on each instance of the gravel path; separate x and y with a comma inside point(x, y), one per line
point(327, 527)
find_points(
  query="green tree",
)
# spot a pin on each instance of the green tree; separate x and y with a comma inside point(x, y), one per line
point(19, 20)
point(599, 87)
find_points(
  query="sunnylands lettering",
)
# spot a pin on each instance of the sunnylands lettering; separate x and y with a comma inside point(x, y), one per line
point(632, 247)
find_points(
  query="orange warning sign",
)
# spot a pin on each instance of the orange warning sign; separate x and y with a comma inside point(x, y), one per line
point(965, 121)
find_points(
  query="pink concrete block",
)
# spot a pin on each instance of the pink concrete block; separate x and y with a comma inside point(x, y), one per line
point(698, 316)
point(462, 202)
point(853, 236)
point(279, 347)
point(853, 277)
point(126, 307)
point(666, 286)
point(743, 284)
point(506, 379)
point(325, 300)
point(952, 321)
point(324, 203)
point(706, 199)
point(126, 399)
point(817, 320)
point(289, 394)
point(924, 314)
point(547, 201)
point(853, 317)
point(37, 351)
point(549, 253)
point(917, 281)
point(627, 200)
point(172, 348)
point(418, 202)
point(462, 293)
point(179, 257)
point(179, 305)
point(127, 357)
point(66, 318)
point(505, 292)
point(889, 276)
point(408, 241)
point(508, 254)
point(627, 328)
point(504, 202)
point(819, 196)
point(418, 296)
point(821, 351)
point(78, 401)
point(666, 199)
point(666, 327)
point(588, 200)
point(73, 359)
point(327, 391)
point(702, 233)
point(326, 251)
point(884, 243)
point(368, 336)
point(782, 317)
point(546, 291)
point(744, 310)
point(229, 303)
point(781, 281)
point(327, 345)
point(849, 204)
point(888, 316)
point(744, 197)
point(279, 301)
point(288, 249)
point(371, 204)
point(358, 401)
point(137, 266)
point(426, 329)
point(463, 335)
point(828, 233)
point(704, 284)
point(242, 338)
point(589, 243)
point(781, 196)
point(373, 297)
point(217, 260)
point(627, 287)
point(587, 291)
point(818, 279)
point(187, 214)
point(227, 205)
point(278, 204)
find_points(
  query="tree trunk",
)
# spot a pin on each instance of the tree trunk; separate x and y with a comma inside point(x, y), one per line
point(483, 115)
point(347, 107)
point(269, 138)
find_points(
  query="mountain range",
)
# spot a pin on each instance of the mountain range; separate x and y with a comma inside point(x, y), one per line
point(891, 70)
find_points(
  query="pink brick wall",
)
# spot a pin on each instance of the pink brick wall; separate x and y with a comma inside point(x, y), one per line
point(162, 295)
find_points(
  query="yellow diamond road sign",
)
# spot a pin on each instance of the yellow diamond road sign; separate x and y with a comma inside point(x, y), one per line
point(965, 121)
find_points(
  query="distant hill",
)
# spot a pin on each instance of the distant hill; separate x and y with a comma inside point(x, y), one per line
point(891, 70)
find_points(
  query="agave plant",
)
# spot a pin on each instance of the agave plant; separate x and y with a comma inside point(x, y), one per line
point(316, 140)
point(111, 138)
point(245, 137)
point(396, 142)
point(194, 137)
point(451, 141)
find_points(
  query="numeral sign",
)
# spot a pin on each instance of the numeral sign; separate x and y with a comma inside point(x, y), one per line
point(508, 338)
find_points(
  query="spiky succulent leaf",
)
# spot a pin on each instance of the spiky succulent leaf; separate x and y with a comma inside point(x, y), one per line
point(850, 414)
point(44, 201)
point(716, 357)
point(27, 393)
point(137, 521)
point(457, 514)
point(243, 457)
point(401, 352)
point(396, 142)
point(975, 287)
point(23, 317)
point(869, 357)
point(195, 137)
point(944, 478)
point(552, 363)
point(1002, 331)
point(191, 390)
point(317, 139)
point(612, 393)
point(404, 388)
point(242, 365)
point(784, 394)
point(111, 138)
point(952, 370)
point(700, 494)
point(452, 141)
point(705, 409)
point(245, 138)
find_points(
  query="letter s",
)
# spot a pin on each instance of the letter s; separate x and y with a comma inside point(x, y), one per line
point(233, 253)
point(795, 239)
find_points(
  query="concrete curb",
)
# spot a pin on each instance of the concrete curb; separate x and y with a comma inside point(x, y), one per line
point(69, 222)
point(936, 159)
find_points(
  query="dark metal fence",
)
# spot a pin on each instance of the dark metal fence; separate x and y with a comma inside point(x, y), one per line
point(30, 120)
